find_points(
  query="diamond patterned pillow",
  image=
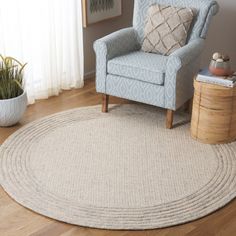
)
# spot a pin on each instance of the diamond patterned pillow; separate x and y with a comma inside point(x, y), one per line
point(166, 28)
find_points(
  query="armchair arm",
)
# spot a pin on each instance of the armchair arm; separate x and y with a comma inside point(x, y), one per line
point(182, 65)
point(186, 54)
point(108, 47)
point(118, 43)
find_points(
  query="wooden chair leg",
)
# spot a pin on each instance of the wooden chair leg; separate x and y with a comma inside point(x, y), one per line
point(105, 102)
point(169, 119)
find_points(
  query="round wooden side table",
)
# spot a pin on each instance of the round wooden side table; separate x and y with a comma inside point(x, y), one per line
point(214, 113)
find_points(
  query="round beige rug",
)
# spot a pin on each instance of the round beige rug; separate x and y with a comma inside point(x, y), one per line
point(121, 170)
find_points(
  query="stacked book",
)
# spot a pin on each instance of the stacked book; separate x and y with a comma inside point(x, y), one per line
point(206, 77)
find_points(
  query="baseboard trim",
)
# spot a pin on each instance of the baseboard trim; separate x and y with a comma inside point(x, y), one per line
point(89, 75)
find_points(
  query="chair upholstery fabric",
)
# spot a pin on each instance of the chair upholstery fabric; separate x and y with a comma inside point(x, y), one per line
point(135, 90)
point(139, 65)
point(122, 70)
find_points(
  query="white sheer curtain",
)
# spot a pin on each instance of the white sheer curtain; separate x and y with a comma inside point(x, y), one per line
point(47, 34)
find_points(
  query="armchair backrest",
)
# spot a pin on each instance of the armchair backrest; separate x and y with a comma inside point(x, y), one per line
point(205, 10)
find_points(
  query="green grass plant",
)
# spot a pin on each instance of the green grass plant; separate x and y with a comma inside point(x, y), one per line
point(11, 77)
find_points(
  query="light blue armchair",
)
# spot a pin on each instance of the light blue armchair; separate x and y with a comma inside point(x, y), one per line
point(122, 70)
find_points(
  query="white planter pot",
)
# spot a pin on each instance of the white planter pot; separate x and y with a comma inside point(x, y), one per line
point(12, 110)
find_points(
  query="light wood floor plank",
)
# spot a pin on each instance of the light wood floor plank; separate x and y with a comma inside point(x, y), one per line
point(53, 229)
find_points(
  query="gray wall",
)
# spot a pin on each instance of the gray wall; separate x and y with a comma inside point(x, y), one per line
point(222, 33)
point(221, 36)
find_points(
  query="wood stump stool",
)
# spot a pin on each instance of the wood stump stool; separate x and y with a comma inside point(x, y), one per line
point(214, 113)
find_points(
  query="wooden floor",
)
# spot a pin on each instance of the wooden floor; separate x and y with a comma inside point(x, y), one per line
point(15, 220)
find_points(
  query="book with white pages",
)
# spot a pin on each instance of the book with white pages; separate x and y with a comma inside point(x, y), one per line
point(206, 77)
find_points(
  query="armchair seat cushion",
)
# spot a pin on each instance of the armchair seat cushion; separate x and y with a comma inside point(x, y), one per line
point(146, 67)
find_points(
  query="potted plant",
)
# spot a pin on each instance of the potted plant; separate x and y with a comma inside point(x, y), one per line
point(13, 98)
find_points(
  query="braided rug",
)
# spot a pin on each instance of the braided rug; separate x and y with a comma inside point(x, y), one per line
point(121, 170)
